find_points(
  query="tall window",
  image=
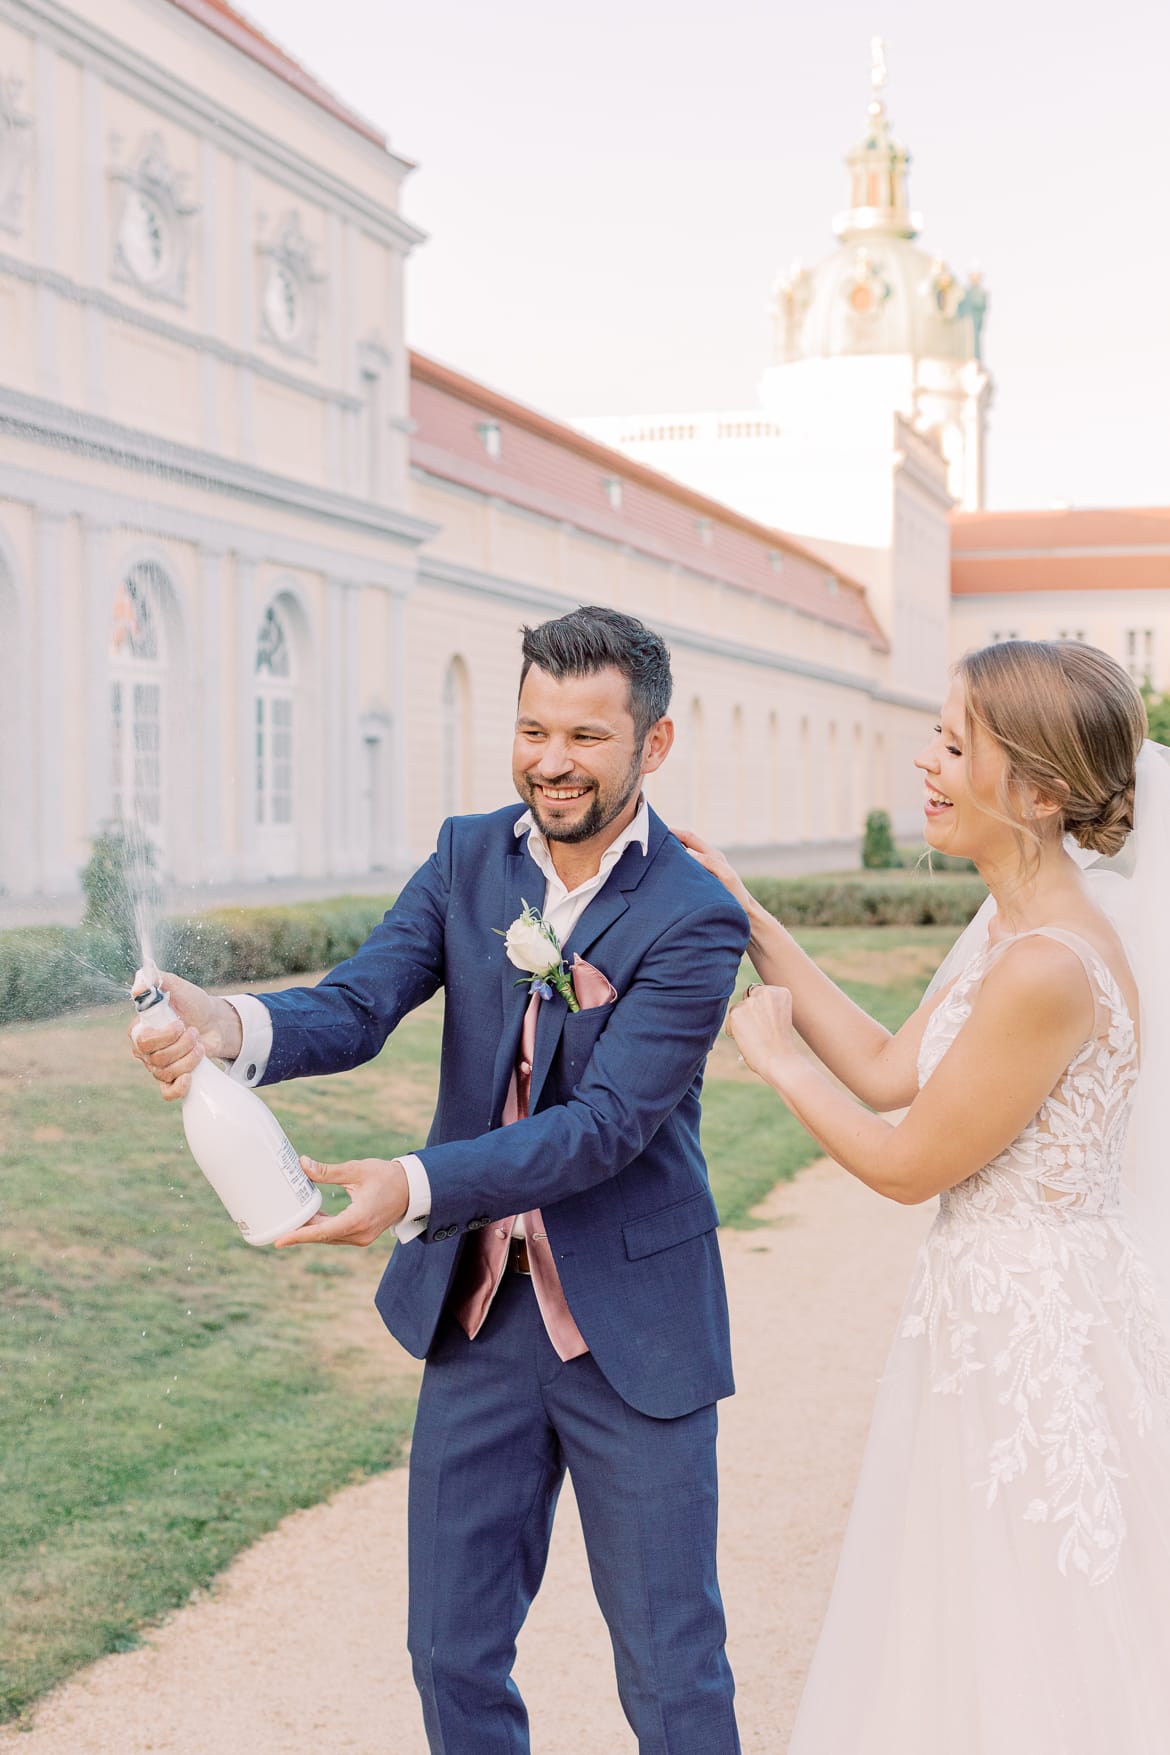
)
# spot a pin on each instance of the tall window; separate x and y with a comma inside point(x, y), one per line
point(137, 685)
point(456, 733)
point(739, 757)
point(1139, 654)
point(698, 768)
point(806, 783)
point(274, 749)
point(775, 820)
point(832, 818)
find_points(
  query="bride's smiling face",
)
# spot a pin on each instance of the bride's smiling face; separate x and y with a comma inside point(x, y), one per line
point(964, 771)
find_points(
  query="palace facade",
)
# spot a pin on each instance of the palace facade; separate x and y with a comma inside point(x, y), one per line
point(262, 571)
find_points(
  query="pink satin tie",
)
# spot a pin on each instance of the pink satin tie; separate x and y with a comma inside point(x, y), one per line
point(488, 1252)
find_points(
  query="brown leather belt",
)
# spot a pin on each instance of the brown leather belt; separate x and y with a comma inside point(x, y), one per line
point(518, 1256)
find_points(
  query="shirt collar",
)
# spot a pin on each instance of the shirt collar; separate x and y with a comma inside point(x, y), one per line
point(638, 830)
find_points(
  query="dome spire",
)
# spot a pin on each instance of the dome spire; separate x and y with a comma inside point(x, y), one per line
point(878, 167)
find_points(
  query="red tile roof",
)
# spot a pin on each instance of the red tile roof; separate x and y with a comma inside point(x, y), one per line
point(226, 22)
point(1066, 549)
point(552, 469)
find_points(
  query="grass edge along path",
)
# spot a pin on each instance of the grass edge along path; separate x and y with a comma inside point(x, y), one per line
point(167, 1394)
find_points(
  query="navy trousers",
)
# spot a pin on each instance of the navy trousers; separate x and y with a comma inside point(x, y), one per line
point(500, 1419)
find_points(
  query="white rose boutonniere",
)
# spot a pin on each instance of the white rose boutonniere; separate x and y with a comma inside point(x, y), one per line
point(532, 945)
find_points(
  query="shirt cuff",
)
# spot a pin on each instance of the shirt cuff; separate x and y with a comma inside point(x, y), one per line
point(251, 1063)
point(418, 1205)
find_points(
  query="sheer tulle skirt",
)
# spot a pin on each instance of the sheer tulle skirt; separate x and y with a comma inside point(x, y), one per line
point(953, 1629)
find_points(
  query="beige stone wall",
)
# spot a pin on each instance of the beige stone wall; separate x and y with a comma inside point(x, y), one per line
point(1132, 626)
point(765, 757)
point(170, 430)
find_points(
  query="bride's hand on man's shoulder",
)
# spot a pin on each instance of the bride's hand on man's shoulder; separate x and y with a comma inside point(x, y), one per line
point(761, 1027)
point(717, 863)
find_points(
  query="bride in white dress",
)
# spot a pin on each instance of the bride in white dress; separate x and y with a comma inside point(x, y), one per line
point(1004, 1585)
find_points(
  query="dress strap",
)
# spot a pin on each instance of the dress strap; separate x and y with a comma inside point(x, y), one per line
point(1102, 982)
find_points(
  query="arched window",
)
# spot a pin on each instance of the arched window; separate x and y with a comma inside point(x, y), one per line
point(456, 739)
point(138, 673)
point(275, 749)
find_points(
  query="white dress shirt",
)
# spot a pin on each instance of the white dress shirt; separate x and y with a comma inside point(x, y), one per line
point(562, 909)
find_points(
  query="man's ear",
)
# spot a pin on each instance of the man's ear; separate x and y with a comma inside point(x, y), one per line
point(657, 746)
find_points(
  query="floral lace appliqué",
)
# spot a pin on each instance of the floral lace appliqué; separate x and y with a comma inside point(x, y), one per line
point(1027, 1264)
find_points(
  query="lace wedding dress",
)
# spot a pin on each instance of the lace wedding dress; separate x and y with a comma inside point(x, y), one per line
point(1004, 1586)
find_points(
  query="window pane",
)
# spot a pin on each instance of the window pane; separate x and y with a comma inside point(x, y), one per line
point(260, 760)
point(147, 754)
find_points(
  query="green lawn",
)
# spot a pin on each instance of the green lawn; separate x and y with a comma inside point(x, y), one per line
point(166, 1393)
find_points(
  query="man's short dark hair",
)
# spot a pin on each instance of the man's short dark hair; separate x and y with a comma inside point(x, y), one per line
point(593, 638)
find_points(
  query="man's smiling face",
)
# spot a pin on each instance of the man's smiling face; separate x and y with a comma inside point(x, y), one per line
point(576, 760)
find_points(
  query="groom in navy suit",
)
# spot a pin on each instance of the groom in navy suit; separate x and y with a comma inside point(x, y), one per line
point(557, 1264)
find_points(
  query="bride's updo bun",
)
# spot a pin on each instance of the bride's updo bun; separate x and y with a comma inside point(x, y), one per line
point(1071, 722)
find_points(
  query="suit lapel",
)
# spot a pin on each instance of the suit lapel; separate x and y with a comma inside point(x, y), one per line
point(608, 906)
point(522, 882)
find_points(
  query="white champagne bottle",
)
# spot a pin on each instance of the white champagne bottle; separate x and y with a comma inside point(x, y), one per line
point(238, 1143)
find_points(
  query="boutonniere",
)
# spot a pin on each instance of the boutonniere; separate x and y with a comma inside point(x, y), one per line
point(532, 945)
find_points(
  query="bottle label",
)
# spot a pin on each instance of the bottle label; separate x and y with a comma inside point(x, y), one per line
point(290, 1163)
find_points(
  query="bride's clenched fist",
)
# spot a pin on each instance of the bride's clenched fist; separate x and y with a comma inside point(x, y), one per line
point(761, 1028)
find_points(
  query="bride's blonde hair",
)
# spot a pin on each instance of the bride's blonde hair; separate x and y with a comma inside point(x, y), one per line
point(1071, 722)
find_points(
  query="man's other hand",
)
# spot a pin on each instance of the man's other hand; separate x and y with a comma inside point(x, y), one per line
point(378, 1197)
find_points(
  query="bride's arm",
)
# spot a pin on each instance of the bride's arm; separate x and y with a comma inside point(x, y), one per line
point(880, 1068)
point(1033, 1011)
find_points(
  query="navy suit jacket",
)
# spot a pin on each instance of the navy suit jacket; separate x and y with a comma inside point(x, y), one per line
point(610, 1150)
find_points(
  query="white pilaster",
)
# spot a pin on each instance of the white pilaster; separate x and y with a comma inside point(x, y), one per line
point(332, 722)
point(209, 365)
point(245, 752)
point(95, 243)
point(210, 738)
point(48, 374)
point(355, 836)
point(396, 810)
point(52, 875)
point(246, 309)
point(96, 638)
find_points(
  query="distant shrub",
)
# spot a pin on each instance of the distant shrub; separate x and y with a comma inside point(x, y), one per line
point(903, 900)
point(878, 849)
point(1158, 712)
point(121, 890)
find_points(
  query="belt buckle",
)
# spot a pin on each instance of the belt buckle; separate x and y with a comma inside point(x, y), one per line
point(518, 1256)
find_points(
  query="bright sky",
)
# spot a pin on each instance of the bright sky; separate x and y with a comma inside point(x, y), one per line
point(610, 191)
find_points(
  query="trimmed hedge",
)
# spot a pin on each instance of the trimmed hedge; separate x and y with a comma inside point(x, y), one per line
point(48, 970)
point(883, 899)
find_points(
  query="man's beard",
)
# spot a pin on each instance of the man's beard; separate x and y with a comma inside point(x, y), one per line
point(599, 816)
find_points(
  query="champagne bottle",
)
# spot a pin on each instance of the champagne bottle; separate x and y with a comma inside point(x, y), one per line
point(238, 1143)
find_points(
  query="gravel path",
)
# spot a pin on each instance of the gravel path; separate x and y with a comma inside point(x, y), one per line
point(299, 1649)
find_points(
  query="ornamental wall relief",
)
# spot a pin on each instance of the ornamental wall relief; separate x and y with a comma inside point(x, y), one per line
point(865, 288)
point(791, 298)
point(15, 153)
point(153, 222)
point(290, 287)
